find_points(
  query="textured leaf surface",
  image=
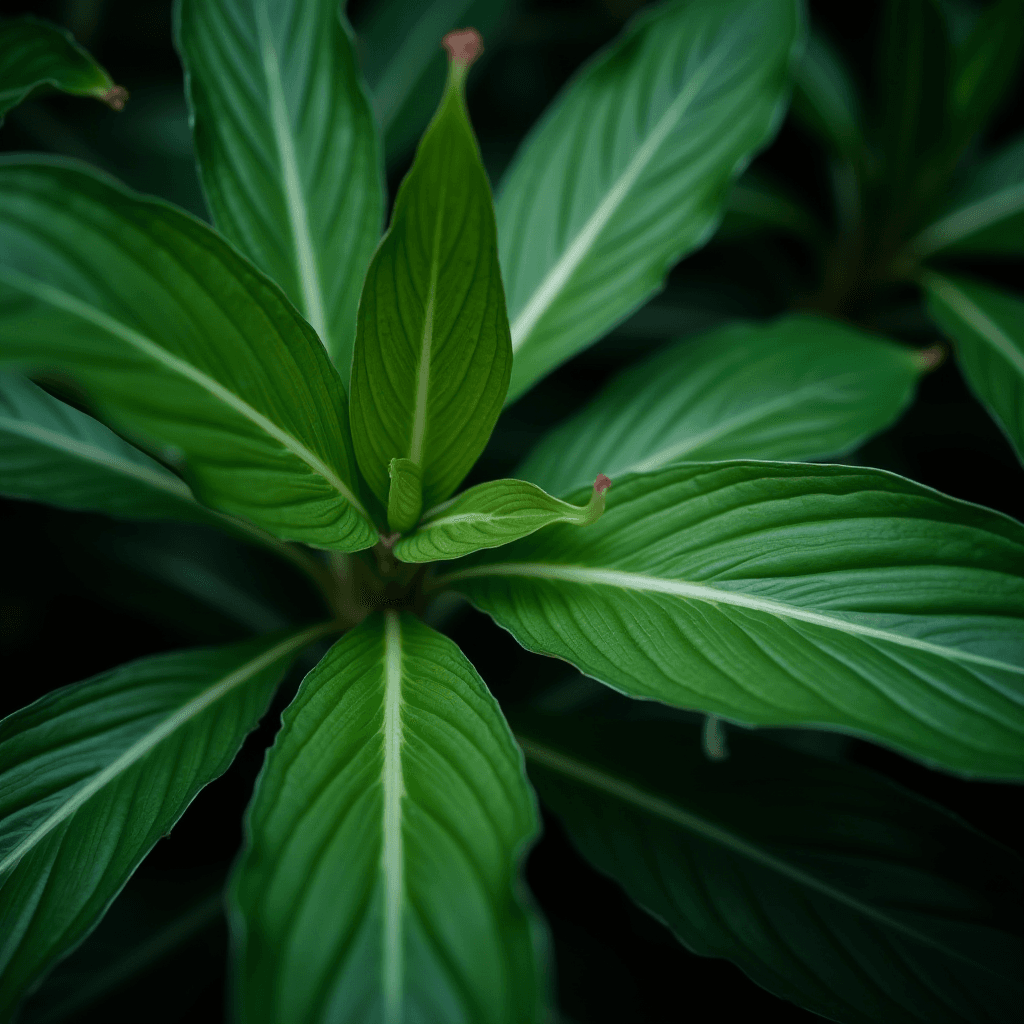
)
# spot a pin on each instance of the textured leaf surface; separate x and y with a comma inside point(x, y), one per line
point(800, 388)
point(630, 167)
point(987, 330)
point(177, 339)
point(287, 149)
point(377, 883)
point(491, 514)
point(826, 884)
point(432, 357)
point(93, 774)
point(781, 594)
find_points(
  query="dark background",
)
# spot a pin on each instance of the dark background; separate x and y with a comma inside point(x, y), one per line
point(79, 594)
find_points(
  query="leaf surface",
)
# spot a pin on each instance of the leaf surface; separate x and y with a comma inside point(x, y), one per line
point(181, 342)
point(800, 388)
point(378, 879)
point(786, 594)
point(630, 167)
point(287, 149)
point(826, 100)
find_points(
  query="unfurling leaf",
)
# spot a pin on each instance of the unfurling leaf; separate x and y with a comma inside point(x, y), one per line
point(405, 498)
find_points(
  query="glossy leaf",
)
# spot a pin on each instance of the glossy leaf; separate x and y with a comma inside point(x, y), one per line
point(824, 883)
point(93, 774)
point(378, 879)
point(986, 327)
point(432, 355)
point(178, 340)
point(783, 594)
point(492, 514)
point(630, 167)
point(287, 149)
point(800, 388)
point(405, 498)
point(35, 53)
point(826, 100)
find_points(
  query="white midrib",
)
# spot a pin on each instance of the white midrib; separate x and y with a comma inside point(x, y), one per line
point(978, 319)
point(576, 251)
point(965, 222)
point(55, 297)
point(668, 811)
point(638, 582)
point(295, 198)
point(497, 517)
point(392, 855)
point(146, 744)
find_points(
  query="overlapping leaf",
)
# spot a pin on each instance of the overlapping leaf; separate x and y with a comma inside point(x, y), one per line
point(287, 149)
point(630, 167)
point(377, 883)
point(179, 340)
point(826, 100)
point(781, 594)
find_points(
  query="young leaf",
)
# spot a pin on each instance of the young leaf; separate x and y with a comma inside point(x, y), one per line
point(629, 169)
point(287, 149)
point(379, 878)
point(782, 594)
point(492, 514)
point(179, 340)
point(93, 774)
point(34, 53)
point(432, 353)
point(405, 498)
point(826, 100)
point(824, 883)
point(987, 330)
point(800, 388)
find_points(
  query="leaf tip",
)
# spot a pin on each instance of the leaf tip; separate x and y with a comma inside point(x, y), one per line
point(115, 97)
point(930, 358)
point(464, 45)
point(602, 484)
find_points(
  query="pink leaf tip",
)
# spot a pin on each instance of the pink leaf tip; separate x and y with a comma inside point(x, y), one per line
point(115, 97)
point(931, 358)
point(464, 45)
point(602, 483)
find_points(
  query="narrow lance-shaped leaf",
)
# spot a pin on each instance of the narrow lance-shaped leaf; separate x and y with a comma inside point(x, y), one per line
point(784, 594)
point(180, 341)
point(800, 388)
point(987, 330)
point(287, 148)
point(629, 169)
point(824, 883)
point(492, 514)
point(93, 774)
point(34, 53)
point(432, 357)
point(826, 100)
point(379, 877)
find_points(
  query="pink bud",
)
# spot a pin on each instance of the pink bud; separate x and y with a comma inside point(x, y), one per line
point(602, 483)
point(464, 45)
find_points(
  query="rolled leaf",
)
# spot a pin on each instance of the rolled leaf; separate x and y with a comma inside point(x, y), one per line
point(630, 167)
point(93, 774)
point(800, 388)
point(986, 327)
point(378, 878)
point(405, 499)
point(180, 341)
point(432, 355)
point(783, 594)
point(287, 149)
point(824, 883)
point(492, 514)
point(34, 53)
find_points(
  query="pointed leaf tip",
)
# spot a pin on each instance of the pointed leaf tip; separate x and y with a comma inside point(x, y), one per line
point(931, 358)
point(602, 483)
point(115, 97)
point(464, 45)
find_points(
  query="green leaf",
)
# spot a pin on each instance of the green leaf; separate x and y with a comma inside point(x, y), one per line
point(432, 357)
point(34, 53)
point(986, 327)
point(405, 498)
point(824, 883)
point(378, 882)
point(756, 203)
point(825, 98)
point(492, 514)
point(786, 594)
point(799, 388)
point(629, 169)
point(93, 774)
point(287, 149)
point(178, 340)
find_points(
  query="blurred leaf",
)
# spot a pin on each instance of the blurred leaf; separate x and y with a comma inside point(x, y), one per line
point(800, 388)
point(93, 774)
point(757, 204)
point(287, 149)
point(178, 339)
point(986, 327)
point(825, 98)
point(824, 883)
point(630, 167)
point(378, 882)
point(786, 594)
